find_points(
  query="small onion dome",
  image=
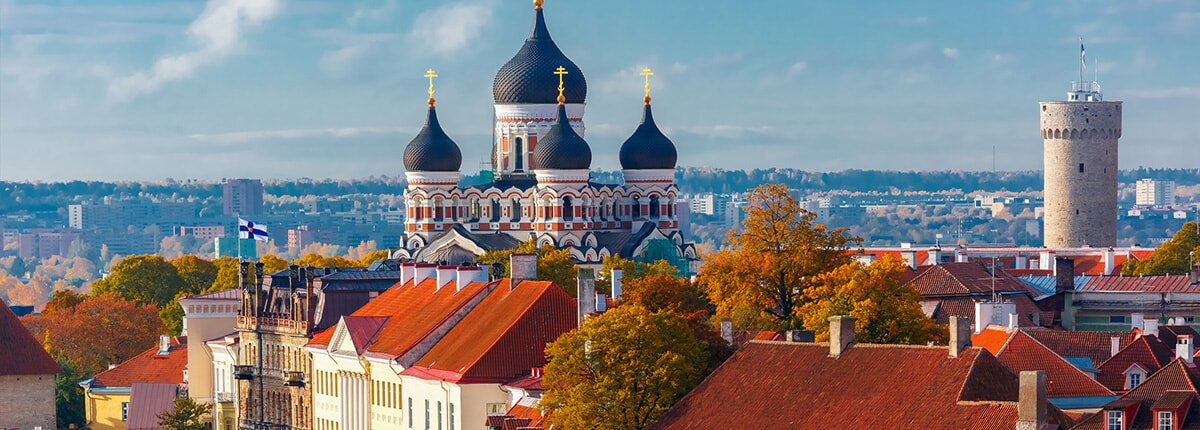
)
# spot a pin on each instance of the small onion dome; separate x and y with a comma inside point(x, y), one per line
point(523, 78)
point(648, 148)
point(432, 150)
point(562, 148)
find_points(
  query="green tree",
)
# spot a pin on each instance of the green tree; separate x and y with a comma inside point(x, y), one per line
point(553, 264)
point(227, 275)
point(185, 415)
point(760, 278)
point(68, 395)
point(887, 311)
point(621, 370)
point(145, 279)
point(631, 270)
point(197, 273)
point(1172, 257)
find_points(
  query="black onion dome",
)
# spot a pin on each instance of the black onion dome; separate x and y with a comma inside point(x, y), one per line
point(648, 147)
point(432, 150)
point(529, 76)
point(562, 148)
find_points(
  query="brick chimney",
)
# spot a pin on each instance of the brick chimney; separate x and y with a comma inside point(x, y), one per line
point(841, 334)
point(960, 335)
point(523, 267)
point(1184, 348)
point(1064, 274)
point(586, 293)
point(1031, 403)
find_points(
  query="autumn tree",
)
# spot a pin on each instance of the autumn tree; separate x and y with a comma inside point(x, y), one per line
point(227, 275)
point(1172, 257)
point(145, 279)
point(553, 264)
point(371, 257)
point(186, 414)
point(759, 279)
point(101, 330)
point(316, 260)
point(662, 292)
point(631, 270)
point(197, 273)
point(621, 370)
point(887, 310)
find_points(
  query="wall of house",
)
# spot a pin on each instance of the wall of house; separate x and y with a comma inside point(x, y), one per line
point(225, 410)
point(104, 411)
point(204, 320)
point(27, 401)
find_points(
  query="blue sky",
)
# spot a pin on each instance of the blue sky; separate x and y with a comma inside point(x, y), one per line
point(149, 89)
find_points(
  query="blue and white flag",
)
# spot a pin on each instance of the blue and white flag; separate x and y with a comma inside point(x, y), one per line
point(250, 230)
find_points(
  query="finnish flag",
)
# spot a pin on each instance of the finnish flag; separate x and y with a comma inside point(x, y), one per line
point(250, 230)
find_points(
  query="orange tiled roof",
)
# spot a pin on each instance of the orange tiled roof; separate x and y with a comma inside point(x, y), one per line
point(1176, 376)
point(1091, 344)
point(148, 367)
point(960, 279)
point(965, 307)
point(1148, 350)
point(21, 353)
point(1023, 352)
point(867, 387)
point(504, 335)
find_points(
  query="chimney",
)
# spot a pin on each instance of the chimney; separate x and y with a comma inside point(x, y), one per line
point(841, 334)
point(910, 258)
point(1110, 261)
point(1031, 403)
point(445, 275)
point(935, 255)
point(726, 328)
point(1194, 274)
point(586, 293)
point(802, 336)
point(422, 271)
point(983, 316)
point(1046, 260)
point(1138, 321)
point(406, 273)
point(1151, 326)
point(523, 267)
point(616, 284)
point(960, 256)
point(1012, 323)
point(164, 344)
point(1116, 346)
point(960, 335)
point(601, 303)
point(467, 274)
point(1184, 348)
point(1021, 262)
point(1064, 274)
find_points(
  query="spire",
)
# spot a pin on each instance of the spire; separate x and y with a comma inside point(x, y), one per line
point(432, 150)
point(539, 30)
point(648, 148)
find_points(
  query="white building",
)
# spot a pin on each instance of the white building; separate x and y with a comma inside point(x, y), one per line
point(1153, 192)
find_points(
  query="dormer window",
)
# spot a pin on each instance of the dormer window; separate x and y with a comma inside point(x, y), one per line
point(1135, 378)
point(1114, 420)
point(1166, 420)
point(1134, 375)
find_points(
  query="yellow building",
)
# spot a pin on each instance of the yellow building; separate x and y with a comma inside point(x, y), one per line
point(110, 400)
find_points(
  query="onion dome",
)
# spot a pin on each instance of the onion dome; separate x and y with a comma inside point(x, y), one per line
point(648, 147)
point(522, 79)
point(432, 150)
point(561, 148)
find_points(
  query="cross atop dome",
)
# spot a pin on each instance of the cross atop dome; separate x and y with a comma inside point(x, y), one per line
point(537, 4)
point(560, 71)
point(646, 73)
point(431, 74)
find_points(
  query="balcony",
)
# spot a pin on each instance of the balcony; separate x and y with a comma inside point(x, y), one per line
point(243, 372)
point(224, 397)
point(293, 379)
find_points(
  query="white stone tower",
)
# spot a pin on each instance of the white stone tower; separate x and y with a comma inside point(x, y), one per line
point(1080, 173)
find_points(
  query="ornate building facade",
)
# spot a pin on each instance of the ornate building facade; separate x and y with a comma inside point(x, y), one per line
point(541, 188)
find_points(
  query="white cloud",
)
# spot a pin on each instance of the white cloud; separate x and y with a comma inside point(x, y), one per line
point(950, 52)
point(796, 69)
point(365, 13)
point(727, 131)
point(217, 33)
point(449, 29)
point(298, 133)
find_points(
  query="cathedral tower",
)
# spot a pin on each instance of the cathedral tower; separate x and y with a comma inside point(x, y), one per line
point(1080, 154)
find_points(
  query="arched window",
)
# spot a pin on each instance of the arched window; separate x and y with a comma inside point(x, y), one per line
point(567, 211)
point(516, 210)
point(495, 209)
point(475, 210)
point(615, 211)
point(654, 209)
point(637, 207)
point(437, 209)
point(519, 154)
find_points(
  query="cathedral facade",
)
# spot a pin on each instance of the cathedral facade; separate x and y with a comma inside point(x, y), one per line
point(541, 188)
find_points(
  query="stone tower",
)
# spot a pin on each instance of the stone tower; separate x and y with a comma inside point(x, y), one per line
point(1080, 173)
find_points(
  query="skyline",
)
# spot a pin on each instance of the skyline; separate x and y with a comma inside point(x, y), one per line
point(275, 89)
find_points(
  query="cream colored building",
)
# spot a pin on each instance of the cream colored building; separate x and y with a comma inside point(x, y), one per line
point(206, 317)
point(224, 386)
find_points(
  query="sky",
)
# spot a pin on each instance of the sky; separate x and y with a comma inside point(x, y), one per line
point(155, 89)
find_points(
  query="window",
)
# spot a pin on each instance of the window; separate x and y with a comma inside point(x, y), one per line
point(452, 416)
point(1080, 167)
point(410, 412)
point(427, 414)
point(1165, 419)
point(1135, 378)
point(124, 411)
point(1189, 320)
point(1114, 420)
point(439, 415)
point(519, 155)
point(1116, 319)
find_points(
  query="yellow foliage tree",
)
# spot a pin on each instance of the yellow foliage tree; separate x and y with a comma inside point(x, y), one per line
point(553, 264)
point(887, 311)
point(621, 370)
point(759, 279)
point(630, 271)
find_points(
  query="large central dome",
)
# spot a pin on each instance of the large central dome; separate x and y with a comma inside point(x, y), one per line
point(529, 76)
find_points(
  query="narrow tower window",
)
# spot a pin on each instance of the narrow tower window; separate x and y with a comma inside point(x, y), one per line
point(519, 154)
point(1080, 167)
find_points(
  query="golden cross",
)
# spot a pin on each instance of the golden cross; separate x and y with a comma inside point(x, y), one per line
point(431, 75)
point(647, 74)
point(560, 71)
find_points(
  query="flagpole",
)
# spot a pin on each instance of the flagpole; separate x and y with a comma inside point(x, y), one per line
point(1081, 63)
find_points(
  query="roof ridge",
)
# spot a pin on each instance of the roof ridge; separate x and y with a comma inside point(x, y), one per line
point(1064, 360)
point(514, 321)
point(483, 290)
point(962, 388)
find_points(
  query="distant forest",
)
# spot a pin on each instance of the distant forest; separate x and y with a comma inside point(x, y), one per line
point(53, 196)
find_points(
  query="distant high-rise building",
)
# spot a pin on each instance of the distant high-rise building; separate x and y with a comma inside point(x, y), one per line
point(1151, 192)
point(45, 243)
point(1080, 149)
point(243, 197)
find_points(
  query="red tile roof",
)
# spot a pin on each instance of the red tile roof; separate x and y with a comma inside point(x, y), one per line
point(961, 279)
point(505, 335)
point(1151, 284)
point(148, 367)
point(362, 329)
point(797, 385)
point(21, 353)
point(1022, 352)
point(1091, 344)
point(1148, 350)
point(1175, 376)
point(965, 307)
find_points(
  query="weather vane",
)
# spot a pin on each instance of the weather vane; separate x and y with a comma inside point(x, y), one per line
point(647, 74)
point(431, 74)
point(560, 71)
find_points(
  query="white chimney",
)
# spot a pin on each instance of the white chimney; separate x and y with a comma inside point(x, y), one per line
point(1116, 346)
point(601, 304)
point(422, 271)
point(1184, 349)
point(910, 258)
point(1138, 321)
point(445, 275)
point(1151, 326)
point(960, 257)
point(1012, 322)
point(586, 292)
point(726, 330)
point(467, 274)
point(1046, 261)
point(1021, 262)
point(406, 273)
point(616, 284)
point(1109, 261)
point(841, 334)
point(983, 316)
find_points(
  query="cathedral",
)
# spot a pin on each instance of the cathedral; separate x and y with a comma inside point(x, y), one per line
point(541, 187)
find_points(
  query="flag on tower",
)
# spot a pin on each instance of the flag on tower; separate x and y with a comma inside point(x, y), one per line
point(250, 230)
point(1081, 49)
